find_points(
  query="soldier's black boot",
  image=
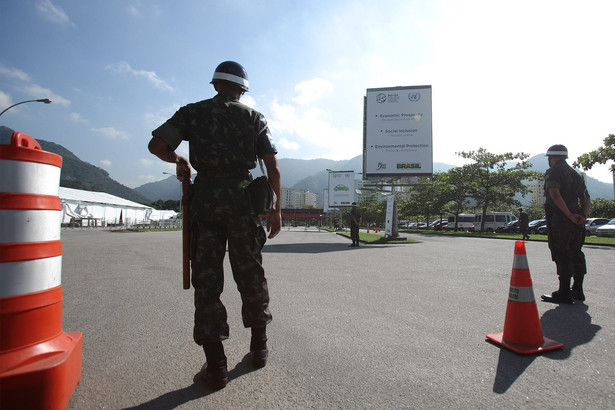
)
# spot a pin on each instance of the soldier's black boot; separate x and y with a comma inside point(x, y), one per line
point(577, 288)
point(258, 347)
point(216, 373)
point(563, 294)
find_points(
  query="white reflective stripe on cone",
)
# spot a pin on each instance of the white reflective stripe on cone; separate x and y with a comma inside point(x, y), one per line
point(520, 262)
point(29, 177)
point(25, 225)
point(521, 294)
point(23, 277)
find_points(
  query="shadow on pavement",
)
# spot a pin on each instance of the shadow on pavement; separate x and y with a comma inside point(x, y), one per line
point(195, 391)
point(568, 324)
point(312, 247)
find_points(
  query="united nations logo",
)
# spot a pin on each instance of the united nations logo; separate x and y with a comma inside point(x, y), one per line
point(380, 98)
point(415, 96)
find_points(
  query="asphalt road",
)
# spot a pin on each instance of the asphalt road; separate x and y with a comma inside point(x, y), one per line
point(380, 326)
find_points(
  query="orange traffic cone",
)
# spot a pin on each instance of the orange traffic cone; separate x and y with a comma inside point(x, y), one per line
point(522, 329)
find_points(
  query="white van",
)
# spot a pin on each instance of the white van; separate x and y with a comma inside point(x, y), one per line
point(464, 222)
point(493, 220)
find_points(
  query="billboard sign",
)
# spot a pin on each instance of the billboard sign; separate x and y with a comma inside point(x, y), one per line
point(341, 188)
point(398, 132)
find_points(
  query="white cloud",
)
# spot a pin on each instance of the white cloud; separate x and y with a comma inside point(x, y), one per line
point(133, 10)
point(74, 117)
point(146, 162)
point(105, 162)
point(143, 9)
point(151, 76)
point(112, 133)
point(53, 13)
point(311, 90)
point(154, 120)
point(248, 100)
point(36, 91)
point(5, 100)
point(506, 89)
point(14, 73)
point(287, 145)
point(307, 130)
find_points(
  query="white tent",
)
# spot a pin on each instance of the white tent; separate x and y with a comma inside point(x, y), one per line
point(160, 215)
point(101, 209)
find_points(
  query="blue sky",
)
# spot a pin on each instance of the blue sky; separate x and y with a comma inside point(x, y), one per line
point(507, 76)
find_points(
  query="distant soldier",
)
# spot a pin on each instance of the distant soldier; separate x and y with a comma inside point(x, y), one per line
point(566, 207)
point(523, 223)
point(355, 223)
point(225, 137)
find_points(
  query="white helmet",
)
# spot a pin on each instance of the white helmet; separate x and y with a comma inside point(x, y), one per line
point(233, 73)
point(557, 150)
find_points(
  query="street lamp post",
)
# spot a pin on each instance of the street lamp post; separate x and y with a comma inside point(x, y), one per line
point(43, 100)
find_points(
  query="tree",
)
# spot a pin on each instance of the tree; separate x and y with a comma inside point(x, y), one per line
point(602, 208)
point(599, 156)
point(535, 211)
point(492, 182)
point(372, 210)
point(428, 197)
point(457, 193)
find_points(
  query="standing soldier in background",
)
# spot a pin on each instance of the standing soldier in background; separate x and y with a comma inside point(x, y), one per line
point(566, 207)
point(355, 223)
point(524, 221)
point(225, 138)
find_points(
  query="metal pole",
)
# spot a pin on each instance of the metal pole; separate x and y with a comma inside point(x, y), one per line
point(43, 100)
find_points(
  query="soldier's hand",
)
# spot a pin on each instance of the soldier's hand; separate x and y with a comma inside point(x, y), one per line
point(182, 168)
point(578, 219)
point(274, 223)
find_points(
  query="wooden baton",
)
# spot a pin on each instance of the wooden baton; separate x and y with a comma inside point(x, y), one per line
point(186, 229)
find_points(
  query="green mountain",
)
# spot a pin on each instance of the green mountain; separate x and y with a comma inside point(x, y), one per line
point(298, 174)
point(79, 174)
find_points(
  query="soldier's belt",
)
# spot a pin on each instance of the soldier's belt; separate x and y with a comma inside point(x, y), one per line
point(222, 182)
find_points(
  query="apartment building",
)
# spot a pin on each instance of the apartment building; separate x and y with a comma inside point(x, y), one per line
point(293, 199)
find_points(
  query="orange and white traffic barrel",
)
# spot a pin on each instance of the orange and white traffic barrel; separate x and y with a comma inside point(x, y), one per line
point(40, 364)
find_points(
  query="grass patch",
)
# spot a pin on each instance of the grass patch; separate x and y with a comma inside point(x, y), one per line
point(516, 236)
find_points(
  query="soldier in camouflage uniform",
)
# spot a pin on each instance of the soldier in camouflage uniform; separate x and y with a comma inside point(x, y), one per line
point(225, 139)
point(355, 223)
point(566, 207)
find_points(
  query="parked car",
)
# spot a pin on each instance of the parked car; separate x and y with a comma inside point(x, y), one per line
point(533, 226)
point(542, 230)
point(437, 224)
point(593, 224)
point(511, 227)
point(607, 229)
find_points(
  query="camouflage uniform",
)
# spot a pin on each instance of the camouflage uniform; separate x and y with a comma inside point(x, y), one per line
point(225, 138)
point(565, 237)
